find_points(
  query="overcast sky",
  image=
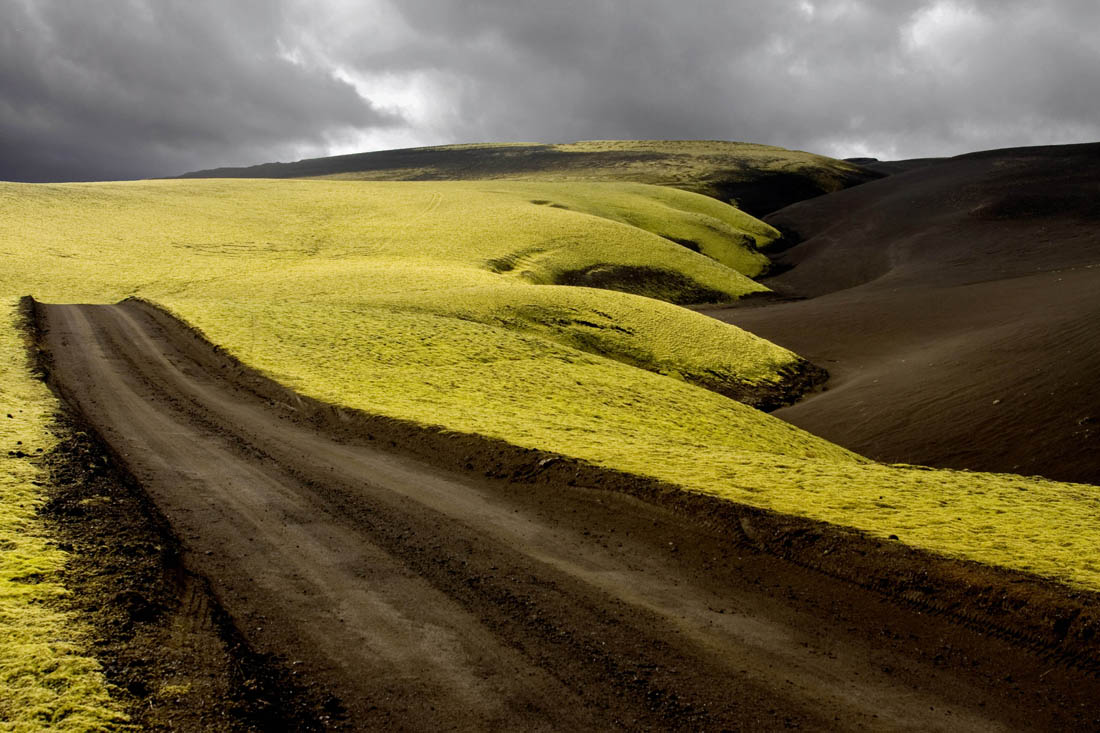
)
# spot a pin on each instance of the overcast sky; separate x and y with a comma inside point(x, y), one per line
point(101, 89)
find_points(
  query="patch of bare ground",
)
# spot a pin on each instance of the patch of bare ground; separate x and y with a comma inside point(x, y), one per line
point(174, 657)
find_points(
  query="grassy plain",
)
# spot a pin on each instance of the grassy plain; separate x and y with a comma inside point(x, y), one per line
point(385, 297)
point(46, 681)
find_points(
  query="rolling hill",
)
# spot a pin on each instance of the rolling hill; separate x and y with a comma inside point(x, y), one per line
point(757, 178)
point(389, 297)
point(525, 331)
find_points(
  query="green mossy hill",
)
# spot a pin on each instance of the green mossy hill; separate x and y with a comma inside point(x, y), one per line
point(382, 297)
point(495, 253)
point(758, 178)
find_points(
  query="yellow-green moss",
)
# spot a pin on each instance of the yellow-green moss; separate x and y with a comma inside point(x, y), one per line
point(424, 247)
point(47, 680)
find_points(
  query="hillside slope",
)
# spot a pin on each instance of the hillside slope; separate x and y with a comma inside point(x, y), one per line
point(416, 258)
point(956, 308)
point(758, 178)
point(434, 302)
point(380, 297)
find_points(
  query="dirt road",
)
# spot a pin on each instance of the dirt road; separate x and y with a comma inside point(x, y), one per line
point(426, 599)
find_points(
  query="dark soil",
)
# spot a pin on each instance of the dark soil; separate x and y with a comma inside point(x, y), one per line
point(761, 192)
point(431, 580)
point(955, 306)
point(654, 282)
point(173, 656)
point(794, 383)
point(893, 167)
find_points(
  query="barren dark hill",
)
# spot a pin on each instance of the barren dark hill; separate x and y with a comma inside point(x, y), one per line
point(893, 167)
point(760, 178)
point(956, 307)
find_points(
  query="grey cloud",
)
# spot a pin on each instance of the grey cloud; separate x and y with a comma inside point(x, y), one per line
point(845, 74)
point(139, 87)
point(156, 87)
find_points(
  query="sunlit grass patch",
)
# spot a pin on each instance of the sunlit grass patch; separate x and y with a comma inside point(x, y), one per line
point(720, 232)
point(466, 377)
point(473, 377)
point(47, 679)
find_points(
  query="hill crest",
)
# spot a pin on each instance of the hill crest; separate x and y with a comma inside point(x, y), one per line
point(757, 178)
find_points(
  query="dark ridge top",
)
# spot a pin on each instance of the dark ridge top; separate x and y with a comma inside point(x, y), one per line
point(758, 178)
point(893, 167)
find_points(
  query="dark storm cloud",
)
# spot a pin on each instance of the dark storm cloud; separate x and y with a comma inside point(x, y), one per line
point(132, 88)
point(904, 78)
point(141, 87)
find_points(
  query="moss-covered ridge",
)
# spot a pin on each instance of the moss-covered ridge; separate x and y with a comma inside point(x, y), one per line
point(759, 178)
point(461, 250)
point(377, 296)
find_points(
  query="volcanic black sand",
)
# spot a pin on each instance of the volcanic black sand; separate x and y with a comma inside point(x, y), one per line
point(956, 307)
point(425, 599)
